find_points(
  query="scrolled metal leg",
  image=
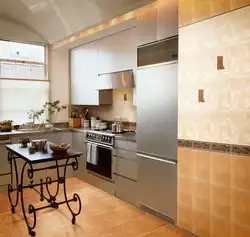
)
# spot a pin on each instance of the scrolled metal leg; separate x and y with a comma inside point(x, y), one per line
point(49, 182)
point(11, 160)
point(31, 207)
point(75, 196)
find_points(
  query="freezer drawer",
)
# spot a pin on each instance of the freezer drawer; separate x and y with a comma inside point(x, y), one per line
point(157, 185)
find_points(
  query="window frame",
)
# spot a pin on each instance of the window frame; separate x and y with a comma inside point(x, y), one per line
point(45, 64)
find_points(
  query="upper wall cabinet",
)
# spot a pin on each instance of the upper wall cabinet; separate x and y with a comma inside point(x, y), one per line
point(117, 52)
point(146, 26)
point(157, 22)
point(84, 74)
point(167, 19)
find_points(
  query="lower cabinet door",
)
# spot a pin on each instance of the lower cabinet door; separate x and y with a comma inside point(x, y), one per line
point(125, 189)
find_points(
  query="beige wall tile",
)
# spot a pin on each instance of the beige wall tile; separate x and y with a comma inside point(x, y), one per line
point(241, 207)
point(240, 230)
point(221, 202)
point(185, 191)
point(201, 224)
point(219, 6)
point(202, 166)
point(186, 162)
point(220, 169)
point(185, 217)
point(202, 196)
point(220, 227)
point(241, 172)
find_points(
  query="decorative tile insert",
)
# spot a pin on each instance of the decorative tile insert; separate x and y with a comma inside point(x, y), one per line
point(213, 146)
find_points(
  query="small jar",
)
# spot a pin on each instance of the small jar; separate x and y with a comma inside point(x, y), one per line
point(86, 124)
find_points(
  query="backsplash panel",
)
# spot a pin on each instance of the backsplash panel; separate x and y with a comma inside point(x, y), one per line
point(120, 107)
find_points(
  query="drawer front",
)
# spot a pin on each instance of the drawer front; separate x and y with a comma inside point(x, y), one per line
point(126, 189)
point(130, 155)
point(127, 145)
point(126, 168)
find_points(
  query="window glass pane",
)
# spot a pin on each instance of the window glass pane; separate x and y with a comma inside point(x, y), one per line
point(19, 97)
point(20, 51)
point(22, 70)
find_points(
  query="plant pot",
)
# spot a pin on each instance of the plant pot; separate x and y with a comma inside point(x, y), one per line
point(6, 127)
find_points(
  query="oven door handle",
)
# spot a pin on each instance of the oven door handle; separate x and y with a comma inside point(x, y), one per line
point(100, 145)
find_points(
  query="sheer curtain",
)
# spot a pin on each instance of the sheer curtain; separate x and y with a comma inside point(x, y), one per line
point(19, 97)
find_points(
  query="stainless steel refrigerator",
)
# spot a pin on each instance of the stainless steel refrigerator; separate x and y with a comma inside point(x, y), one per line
point(156, 138)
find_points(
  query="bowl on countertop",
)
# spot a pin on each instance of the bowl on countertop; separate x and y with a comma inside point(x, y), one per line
point(59, 148)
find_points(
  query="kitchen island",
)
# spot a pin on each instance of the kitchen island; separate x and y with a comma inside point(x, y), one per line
point(15, 152)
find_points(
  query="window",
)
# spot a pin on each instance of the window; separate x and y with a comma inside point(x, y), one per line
point(23, 80)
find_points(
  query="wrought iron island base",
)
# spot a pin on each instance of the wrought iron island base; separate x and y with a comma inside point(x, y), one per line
point(15, 152)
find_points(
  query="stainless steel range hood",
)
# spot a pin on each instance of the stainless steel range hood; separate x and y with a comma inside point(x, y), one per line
point(115, 80)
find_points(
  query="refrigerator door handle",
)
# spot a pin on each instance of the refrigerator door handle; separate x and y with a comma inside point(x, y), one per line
point(157, 159)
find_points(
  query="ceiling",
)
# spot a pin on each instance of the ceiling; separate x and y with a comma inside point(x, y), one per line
point(57, 19)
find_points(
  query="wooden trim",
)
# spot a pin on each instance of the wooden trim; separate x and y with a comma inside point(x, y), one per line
point(23, 79)
point(21, 61)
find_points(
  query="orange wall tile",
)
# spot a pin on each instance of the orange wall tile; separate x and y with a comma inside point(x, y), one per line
point(192, 11)
point(216, 204)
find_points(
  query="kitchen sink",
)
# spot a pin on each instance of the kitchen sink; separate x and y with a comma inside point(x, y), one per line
point(38, 129)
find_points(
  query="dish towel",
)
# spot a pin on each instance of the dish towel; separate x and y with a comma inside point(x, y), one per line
point(94, 155)
point(89, 152)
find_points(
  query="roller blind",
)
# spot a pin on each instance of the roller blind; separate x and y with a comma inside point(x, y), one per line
point(23, 81)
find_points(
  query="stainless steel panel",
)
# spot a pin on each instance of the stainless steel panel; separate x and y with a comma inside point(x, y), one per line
point(157, 185)
point(157, 110)
point(127, 145)
point(124, 79)
point(126, 168)
point(126, 189)
point(130, 155)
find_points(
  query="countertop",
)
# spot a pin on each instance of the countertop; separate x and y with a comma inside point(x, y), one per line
point(123, 136)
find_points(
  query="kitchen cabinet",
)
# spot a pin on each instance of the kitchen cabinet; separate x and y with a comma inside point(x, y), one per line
point(79, 145)
point(126, 189)
point(117, 52)
point(126, 171)
point(4, 164)
point(84, 74)
point(167, 19)
point(158, 22)
point(146, 26)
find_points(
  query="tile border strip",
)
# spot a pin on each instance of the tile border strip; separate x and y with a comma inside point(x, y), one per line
point(215, 147)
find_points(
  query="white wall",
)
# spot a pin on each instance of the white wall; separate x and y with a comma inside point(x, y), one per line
point(18, 32)
point(60, 84)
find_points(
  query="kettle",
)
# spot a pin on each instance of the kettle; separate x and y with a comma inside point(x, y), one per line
point(117, 127)
point(114, 127)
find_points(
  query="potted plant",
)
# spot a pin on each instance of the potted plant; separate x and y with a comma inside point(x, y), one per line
point(6, 125)
point(51, 108)
point(35, 115)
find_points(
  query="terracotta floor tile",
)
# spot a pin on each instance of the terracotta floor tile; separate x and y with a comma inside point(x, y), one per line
point(102, 215)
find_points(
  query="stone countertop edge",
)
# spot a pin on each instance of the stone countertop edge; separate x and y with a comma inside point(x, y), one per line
point(124, 136)
point(14, 133)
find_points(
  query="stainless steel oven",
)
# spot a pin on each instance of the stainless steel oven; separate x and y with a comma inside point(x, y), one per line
point(104, 167)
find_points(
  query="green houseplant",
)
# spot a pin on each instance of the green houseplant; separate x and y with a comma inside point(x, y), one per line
point(49, 108)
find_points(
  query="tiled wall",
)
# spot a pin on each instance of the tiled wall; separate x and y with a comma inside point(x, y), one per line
point(214, 193)
point(225, 115)
point(214, 187)
point(122, 108)
point(191, 11)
